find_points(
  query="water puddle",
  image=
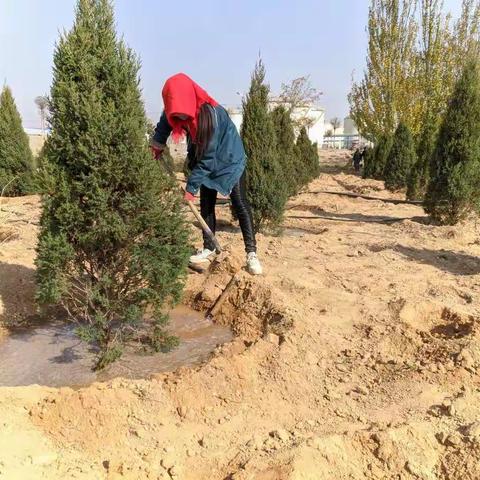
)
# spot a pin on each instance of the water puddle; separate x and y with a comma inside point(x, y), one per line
point(52, 355)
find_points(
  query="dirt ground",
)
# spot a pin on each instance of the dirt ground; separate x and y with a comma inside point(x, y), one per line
point(357, 356)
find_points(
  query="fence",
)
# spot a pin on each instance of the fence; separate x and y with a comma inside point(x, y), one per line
point(343, 141)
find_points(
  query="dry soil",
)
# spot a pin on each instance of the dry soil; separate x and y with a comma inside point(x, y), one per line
point(357, 356)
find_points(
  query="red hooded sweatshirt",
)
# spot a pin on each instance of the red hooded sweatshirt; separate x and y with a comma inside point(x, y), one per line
point(181, 95)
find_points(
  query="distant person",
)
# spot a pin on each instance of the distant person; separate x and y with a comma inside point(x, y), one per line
point(357, 160)
point(216, 159)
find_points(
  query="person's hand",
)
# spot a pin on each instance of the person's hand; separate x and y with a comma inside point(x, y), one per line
point(157, 151)
point(188, 197)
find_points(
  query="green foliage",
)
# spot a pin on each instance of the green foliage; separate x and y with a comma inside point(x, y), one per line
point(266, 191)
point(401, 159)
point(385, 90)
point(453, 191)
point(16, 160)
point(113, 240)
point(285, 137)
point(415, 56)
point(368, 162)
point(374, 164)
point(420, 173)
point(308, 164)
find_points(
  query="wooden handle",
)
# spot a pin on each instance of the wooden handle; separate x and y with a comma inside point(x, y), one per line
point(196, 213)
point(205, 227)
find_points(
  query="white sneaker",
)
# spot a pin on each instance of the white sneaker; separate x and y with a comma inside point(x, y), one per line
point(203, 256)
point(253, 264)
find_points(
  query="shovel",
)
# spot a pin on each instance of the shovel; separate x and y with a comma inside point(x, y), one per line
point(203, 224)
point(196, 213)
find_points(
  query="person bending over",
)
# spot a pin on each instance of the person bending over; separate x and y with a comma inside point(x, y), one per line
point(216, 159)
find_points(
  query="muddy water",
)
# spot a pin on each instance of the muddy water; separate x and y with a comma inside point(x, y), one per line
point(52, 355)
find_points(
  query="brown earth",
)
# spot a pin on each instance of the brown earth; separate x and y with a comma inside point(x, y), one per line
point(357, 357)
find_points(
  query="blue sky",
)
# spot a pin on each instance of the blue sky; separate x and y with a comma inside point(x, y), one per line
point(215, 41)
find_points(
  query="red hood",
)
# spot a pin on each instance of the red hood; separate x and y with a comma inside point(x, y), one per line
point(181, 95)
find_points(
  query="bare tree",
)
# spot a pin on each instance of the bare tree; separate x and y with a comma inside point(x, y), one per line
point(42, 103)
point(301, 96)
point(335, 122)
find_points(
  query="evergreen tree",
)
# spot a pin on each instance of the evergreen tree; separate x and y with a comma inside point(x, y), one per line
point(308, 164)
point(453, 190)
point(368, 162)
point(419, 175)
point(16, 160)
point(266, 190)
point(374, 164)
point(113, 240)
point(285, 136)
point(401, 159)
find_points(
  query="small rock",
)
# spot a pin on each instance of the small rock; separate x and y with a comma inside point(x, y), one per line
point(466, 359)
point(454, 440)
point(442, 437)
point(273, 339)
point(342, 368)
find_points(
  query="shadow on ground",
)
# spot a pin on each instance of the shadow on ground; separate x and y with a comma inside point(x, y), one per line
point(456, 263)
point(350, 217)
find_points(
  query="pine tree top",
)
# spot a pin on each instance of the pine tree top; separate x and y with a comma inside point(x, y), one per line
point(16, 161)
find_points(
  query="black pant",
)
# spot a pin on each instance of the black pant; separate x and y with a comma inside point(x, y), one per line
point(238, 197)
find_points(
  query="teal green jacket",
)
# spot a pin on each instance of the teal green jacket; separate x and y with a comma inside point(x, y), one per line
point(222, 164)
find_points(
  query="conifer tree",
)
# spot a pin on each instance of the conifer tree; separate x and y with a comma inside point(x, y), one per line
point(374, 165)
point(16, 160)
point(420, 173)
point(401, 159)
point(368, 162)
point(285, 136)
point(454, 190)
point(113, 240)
point(266, 191)
point(308, 164)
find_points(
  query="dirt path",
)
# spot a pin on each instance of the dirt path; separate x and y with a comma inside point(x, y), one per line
point(358, 357)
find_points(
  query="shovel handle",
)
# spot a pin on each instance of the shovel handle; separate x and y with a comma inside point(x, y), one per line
point(197, 215)
point(204, 226)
